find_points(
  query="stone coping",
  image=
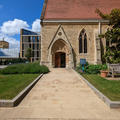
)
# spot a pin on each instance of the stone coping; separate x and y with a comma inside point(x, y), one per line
point(111, 104)
point(16, 100)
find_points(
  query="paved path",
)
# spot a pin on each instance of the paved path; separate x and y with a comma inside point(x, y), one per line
point(61, 94)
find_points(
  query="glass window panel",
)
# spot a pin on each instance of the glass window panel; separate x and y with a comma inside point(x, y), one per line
point(85, 43)
point(80, 44)
point(33, 39)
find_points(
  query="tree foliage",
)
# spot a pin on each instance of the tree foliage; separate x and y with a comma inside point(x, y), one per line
point(112, 35)
point(28, 54)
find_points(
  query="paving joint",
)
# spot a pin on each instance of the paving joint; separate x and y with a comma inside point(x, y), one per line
point(106, 100)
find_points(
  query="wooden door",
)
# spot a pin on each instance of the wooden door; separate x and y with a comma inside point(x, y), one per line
point(60, 60)
point(63, 60)
point(57, 60)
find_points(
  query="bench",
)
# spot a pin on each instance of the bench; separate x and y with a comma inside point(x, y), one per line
point(114, 69)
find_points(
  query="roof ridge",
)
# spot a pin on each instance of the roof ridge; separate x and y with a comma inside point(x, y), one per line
point(44, 9)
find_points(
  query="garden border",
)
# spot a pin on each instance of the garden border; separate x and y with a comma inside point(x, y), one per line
point(16, 100)
point(106, 100)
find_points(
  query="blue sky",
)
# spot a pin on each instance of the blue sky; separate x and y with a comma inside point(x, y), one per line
point(27, 10)
point(17, 14)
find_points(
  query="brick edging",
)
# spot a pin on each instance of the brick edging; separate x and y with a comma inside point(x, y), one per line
point(16, 100)
point(111, 104)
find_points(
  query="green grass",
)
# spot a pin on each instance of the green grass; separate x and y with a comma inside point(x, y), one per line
point(30, 68)
point(109, 88)
point(12, 85)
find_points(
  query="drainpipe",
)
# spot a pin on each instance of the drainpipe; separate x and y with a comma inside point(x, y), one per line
point(99, 30)
point(99, 44)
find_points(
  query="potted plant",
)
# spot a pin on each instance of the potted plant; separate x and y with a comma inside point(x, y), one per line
point(104, 71)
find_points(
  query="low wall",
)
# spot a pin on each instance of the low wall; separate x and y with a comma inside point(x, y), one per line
point(15, 101)
point(111, 104)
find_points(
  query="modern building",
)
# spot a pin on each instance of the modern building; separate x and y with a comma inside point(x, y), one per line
point(70, 30)
point(4, 44)
point(29, 39)
point(7, 53)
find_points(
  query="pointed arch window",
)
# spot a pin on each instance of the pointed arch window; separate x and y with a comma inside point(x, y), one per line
point(83, 42)
point(80, 43)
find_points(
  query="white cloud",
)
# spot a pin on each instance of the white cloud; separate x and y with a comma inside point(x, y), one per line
point(36, 25)
point(1, 6)
point(14, 46)
point(13, 27)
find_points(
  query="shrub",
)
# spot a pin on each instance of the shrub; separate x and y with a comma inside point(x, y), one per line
point(92, 69)
point(30, 68)
point(13, 61)
point(79, 67)
point(95, 69)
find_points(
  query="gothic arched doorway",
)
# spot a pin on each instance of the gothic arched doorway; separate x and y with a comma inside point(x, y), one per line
point(60, 60)
point(60, 54)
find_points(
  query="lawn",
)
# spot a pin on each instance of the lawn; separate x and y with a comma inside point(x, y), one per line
point(109, 88)
point(12, 85)
point(14, 78)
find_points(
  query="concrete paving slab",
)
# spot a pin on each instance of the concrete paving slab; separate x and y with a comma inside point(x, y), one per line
point(61, 95)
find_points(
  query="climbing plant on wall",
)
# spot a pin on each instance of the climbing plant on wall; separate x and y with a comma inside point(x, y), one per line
point(112, 35)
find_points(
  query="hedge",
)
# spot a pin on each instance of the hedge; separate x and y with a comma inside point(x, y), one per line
point(29, 68)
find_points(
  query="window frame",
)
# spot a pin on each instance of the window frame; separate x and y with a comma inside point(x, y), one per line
point(83, 42)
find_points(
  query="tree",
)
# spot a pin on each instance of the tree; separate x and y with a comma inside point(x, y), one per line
point(112, 35)
point(28, 54)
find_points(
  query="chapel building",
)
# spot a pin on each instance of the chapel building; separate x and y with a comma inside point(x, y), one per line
point(70, 30)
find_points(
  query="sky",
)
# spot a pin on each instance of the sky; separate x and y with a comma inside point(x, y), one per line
point(17, 14)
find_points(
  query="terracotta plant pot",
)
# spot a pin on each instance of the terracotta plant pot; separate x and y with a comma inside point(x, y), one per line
point(104, 73)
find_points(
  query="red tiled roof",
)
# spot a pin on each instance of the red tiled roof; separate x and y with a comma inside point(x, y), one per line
point(78, 9)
